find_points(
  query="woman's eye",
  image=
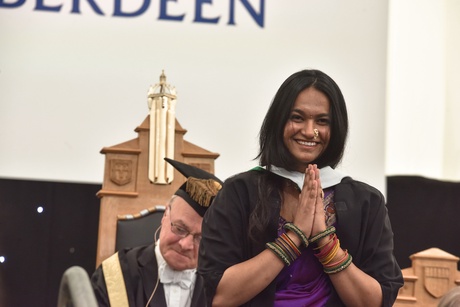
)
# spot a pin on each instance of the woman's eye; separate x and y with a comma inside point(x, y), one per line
point(323, 121)
point(296, 118)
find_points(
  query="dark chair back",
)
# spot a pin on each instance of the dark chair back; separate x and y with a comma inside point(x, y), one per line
point(138, 229)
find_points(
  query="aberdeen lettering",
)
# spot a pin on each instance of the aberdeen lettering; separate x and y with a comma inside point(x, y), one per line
point(164, 14)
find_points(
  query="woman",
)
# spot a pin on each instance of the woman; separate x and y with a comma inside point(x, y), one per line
point(295, 232)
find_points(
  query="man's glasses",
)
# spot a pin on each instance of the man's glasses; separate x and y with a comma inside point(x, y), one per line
point(183, 232)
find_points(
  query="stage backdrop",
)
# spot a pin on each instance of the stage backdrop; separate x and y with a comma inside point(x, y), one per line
point(74, 76)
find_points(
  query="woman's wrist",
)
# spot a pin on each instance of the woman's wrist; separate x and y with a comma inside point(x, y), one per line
point(328, 251)
point(284, 248)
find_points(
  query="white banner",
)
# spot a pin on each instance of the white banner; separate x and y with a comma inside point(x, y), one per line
point(75, 74)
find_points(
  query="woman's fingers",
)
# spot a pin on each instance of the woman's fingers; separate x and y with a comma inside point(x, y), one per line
point(309, 190)
point(319, 223)
point(306, 210)
point(319, 193)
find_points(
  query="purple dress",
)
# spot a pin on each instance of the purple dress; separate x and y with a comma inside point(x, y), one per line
point(304, 282)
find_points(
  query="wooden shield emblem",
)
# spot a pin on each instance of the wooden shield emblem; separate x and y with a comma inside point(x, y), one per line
point(121, 171)
point(436, 280)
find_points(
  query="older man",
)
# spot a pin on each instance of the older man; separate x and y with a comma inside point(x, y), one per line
point(163, 273)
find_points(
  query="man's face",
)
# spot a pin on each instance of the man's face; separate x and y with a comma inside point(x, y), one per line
point(180, 252)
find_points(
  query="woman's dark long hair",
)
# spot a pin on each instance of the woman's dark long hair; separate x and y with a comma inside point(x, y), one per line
point(272, 150)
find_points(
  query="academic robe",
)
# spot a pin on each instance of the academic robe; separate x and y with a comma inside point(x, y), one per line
point(363, 227)
point(140, 271)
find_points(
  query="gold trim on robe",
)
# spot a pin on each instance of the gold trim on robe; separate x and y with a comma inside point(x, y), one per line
point(115, 282)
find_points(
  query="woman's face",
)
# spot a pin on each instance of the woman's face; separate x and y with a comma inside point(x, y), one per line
point(310, 113)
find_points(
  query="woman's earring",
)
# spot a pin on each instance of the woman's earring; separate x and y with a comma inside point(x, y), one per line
point(316, 134)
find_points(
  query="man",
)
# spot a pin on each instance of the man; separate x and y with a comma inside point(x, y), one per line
point(163, 273)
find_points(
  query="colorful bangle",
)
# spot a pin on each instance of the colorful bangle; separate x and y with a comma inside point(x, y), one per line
point(278, 252)
point(291, 244)
point(338, 262)
point(331, 238)
point(298, 232)
point(331, 255)
point(339, 267)
point(327, 248)
point(328, 231)
point(287, 250)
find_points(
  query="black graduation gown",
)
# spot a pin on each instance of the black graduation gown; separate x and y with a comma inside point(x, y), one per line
point(363, 228)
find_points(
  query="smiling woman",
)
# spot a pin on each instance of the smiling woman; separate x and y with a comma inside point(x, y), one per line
point(307, 131)
point(296, 223)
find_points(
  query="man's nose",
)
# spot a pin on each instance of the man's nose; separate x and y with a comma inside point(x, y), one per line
point(187, 242)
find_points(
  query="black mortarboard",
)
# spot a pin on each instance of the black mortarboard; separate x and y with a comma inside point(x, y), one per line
point(199, 189)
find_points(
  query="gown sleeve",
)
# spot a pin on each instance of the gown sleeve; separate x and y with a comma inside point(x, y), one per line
point(364, 229)
point(224, 234)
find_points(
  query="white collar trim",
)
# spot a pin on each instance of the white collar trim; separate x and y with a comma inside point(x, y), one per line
point(329, 176)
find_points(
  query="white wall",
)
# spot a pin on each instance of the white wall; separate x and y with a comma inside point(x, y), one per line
point(423, 132)
point(451, 167)
point(71, 84)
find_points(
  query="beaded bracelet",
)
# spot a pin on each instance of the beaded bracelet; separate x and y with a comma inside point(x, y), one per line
point(278, 252)
point(339, 267)
point(298, 232)
point(328, 231)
